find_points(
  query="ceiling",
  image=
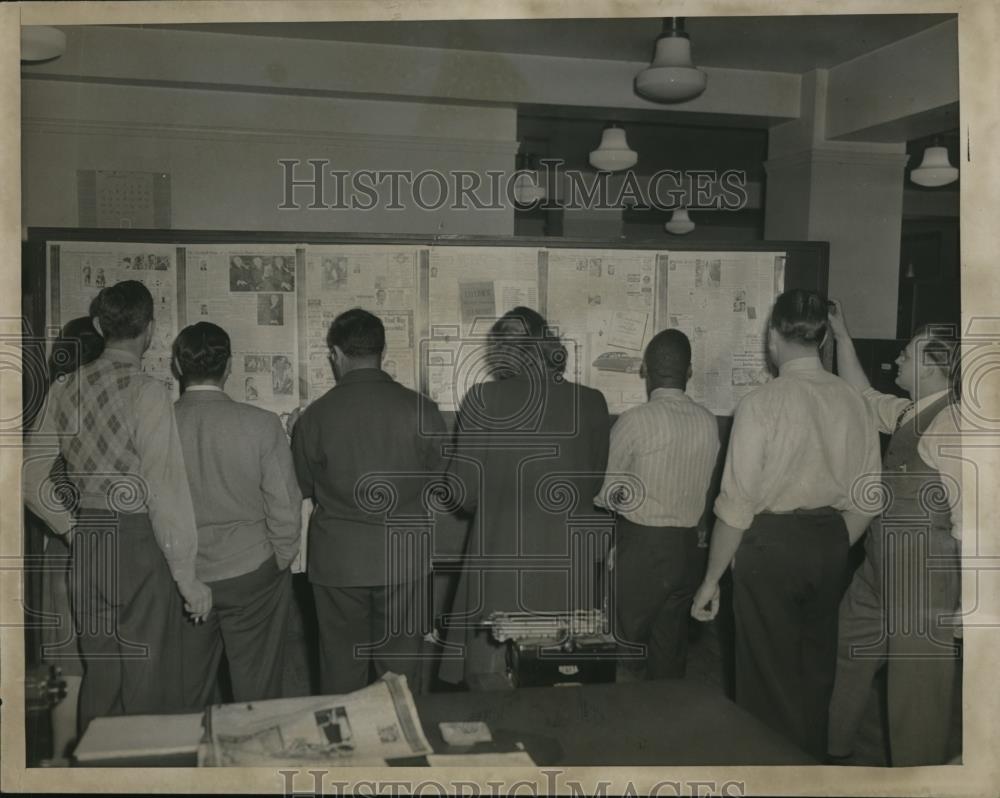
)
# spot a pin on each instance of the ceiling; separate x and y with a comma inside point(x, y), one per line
point(794, 44)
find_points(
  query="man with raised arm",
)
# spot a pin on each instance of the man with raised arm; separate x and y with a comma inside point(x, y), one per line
point(799, 446)
point(899, 609)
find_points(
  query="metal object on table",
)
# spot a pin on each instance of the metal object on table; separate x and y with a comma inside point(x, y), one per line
point(555, 648)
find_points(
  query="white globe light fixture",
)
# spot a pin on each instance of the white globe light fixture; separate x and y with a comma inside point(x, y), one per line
point(41, 43)
point(672, 77)
point(613, 154)
point(935, 169)
point(680, 223)
point(528, 190)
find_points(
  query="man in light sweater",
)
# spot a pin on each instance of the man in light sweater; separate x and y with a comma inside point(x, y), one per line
point(247, 506)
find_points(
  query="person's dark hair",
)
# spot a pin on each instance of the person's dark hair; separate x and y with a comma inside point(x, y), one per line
point(357, 333)
point(202, 351)
point(939, 346)
point(124, 310)
point(668, 357)
point(78, 344)
point(521, 336)
point(801, 316)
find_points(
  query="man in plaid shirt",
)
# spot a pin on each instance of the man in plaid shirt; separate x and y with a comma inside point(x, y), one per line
point(130, 516)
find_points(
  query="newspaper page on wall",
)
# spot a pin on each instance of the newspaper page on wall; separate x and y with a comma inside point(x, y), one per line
point(603, 305)
point(249, 290)
point(381, 279)
point(469, 288)
point(366, 727)
point(84, 268)
point(722, 300)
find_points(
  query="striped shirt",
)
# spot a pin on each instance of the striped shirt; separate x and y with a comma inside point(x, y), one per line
point(663, 453)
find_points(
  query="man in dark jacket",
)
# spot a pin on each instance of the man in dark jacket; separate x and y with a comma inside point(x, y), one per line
point(365, 452)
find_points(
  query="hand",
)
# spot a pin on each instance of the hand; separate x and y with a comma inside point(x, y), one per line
point(290, 421)
point(706, 602)
point(197, 599)
point(836, 317)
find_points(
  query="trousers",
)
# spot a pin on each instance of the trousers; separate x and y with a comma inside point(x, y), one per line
point(248, 624)
point(894, 615)
point(657, 571)
point(129, 618)
point(381, 626)
point(789, 576)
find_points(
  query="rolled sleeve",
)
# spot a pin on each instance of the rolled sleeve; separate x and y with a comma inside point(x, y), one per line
point(621, 458)
point(282, 497)
point(739, 498)
point(161, 465)
point(886, 408)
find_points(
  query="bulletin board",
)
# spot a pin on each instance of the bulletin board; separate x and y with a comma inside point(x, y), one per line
point(276, 293)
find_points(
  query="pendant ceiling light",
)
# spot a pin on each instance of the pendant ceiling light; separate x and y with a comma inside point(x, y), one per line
point(613, 154)
point(935, 169)
point(41, 43)
point(528, 189)
point(671, 77)
point(680, 223)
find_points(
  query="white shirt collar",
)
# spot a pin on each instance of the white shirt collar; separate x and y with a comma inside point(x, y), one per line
point(202, 388)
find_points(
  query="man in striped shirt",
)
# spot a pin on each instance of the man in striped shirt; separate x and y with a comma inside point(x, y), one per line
point(659, 470)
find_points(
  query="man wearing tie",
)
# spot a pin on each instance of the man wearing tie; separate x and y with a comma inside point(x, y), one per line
point(899, 609)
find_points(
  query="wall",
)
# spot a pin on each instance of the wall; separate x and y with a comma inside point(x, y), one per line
point(222, 148)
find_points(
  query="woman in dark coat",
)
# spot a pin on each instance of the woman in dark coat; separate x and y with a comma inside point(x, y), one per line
point(532, 448)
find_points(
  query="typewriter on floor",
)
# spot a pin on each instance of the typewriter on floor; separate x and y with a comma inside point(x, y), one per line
point(556, 648)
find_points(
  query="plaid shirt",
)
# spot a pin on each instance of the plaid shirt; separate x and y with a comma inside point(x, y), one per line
point(115, 429)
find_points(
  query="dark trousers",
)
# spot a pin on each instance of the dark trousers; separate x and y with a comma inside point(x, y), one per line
point(789, 575)
point(901, 626)
point(129, 617)
point(381, 625)
point(657, 571)
point(248, 622)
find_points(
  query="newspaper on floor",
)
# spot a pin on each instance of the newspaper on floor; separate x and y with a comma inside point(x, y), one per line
point(365, 727)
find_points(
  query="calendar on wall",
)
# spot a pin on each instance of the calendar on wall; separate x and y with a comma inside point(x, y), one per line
point(114, 199)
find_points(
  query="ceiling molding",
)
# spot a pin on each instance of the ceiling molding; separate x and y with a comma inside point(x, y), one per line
point(360, 140)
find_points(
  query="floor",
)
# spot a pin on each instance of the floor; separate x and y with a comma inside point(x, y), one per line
point(707, 663)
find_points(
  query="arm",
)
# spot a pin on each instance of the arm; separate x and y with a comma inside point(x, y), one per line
point(737, 502)
point(620, 457)
point(856, 520)
point(303, 441)
point(41, 451)
point(171, 511)
point(848, 365)
point(462, 465)
point(282, 499)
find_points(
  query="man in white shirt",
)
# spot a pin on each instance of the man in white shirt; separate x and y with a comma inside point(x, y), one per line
point(800, 445)
point(659, 471)
point(900, 607)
